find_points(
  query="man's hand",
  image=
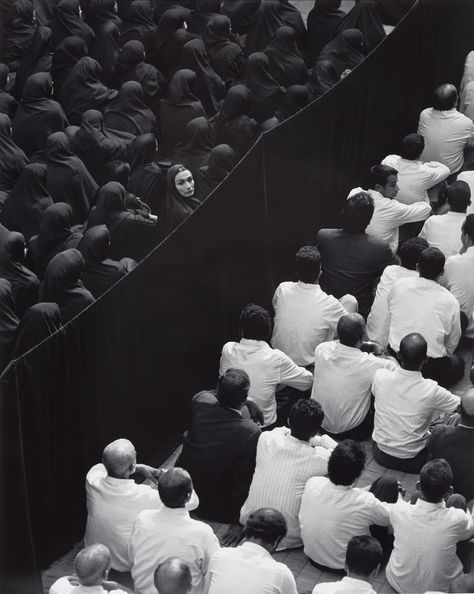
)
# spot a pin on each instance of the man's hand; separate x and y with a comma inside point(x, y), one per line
point(255, 413)
point(153, 474)
point(109, 585)
point(233, 536)
point(372, 347)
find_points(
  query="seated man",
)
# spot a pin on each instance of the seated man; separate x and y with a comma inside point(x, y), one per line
point(405, 405)
point(343, 376)
point(173, 576)
point(91, 570)
point(351, 260)
point(286, 459)
point(363, 559)
point(389, 214)
point(250, 567)
point(421, 304)
point(444, 231)
point(458, 275)
point(378, 320)
point(305, 315)
point(426, 534)
point(266, 367)
point(219, 449)
point(456, 445)
point(445, 130)
point(170, 532)
point(333, 510)
point(114, 500)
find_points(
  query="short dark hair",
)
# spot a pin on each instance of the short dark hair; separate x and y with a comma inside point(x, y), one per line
point(346, 462)
point(305, 418)
point(174, 487)
point(431, 263)
point(357, 212)
point(308, 264)
point(412, 146)
point(436, 477)
point(233, 388)
point(445, 97)
point(379, 174)
point(350, 329)
point(468, 226)
point(255, 322)
point(266, 524)
point(458, 196)
point(410, 250)
point(363, 555)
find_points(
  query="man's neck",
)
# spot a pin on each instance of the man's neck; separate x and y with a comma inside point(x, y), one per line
point(357, 576)
point(264, 545)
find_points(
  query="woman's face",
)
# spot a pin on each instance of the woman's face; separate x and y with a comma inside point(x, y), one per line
point(184, 183)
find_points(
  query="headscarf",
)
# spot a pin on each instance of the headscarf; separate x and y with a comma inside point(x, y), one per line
point(295, 99)
point(12, 158)
point(18, 33)
point(8, 104)
point(27, 201)
point(105, 50)
point(166, 44)
point(292, 18)
point(210, 88)
point(176, 207)
point(128, 112)
point(100, 12)
point(221, 163)
point(241, 13)
point(205, 11)
point(323, 78)
point(82, 90)
point(101, 272)
point(39, 323)
point(226, 56)
point(44, 10)
point(38, 115)
point(139, 24)
point(8, 322)
point(67, 54)
point(67, 22)
point(68, 178)
point(345, 51)
point(366, 18)
point(392, 11)
point(196, 146)
point(266, 93)
point(286, 64)
point(62, 284)
point(322, 21)
point(110, 205)
point(268, 19)
point(37, 58)
point(24, 283)
point(232, 125)
point(147, 179)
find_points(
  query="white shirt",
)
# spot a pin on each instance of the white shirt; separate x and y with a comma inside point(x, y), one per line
point(112, 506)
point(390, 214)
point(405, 404)
point(378, 320)
point(283, 465)
point(444, 232)
point(424, 554)
point(266, 368)
point(468, 177)
point(248, 569)
point(458, 278)
point(64, 586)
point(421, 305)
point(305, 316)
point(467, 101)
point(446, 134)
point(415, 177)
point(158, 535)
point(342, 381)
point(330, 515)
point(347, 585)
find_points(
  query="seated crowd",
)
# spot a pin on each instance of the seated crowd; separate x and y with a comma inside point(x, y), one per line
point(117, 120)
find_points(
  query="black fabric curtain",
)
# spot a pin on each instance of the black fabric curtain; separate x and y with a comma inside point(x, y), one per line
point(129, 365)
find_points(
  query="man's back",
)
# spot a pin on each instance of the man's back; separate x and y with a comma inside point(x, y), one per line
point(352, 263)
point(247, 569)
point(219, 453)
point(345, 586)
point(458, 278)
point(444, 232)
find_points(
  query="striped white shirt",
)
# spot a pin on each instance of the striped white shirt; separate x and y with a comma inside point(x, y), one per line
point(283, 466)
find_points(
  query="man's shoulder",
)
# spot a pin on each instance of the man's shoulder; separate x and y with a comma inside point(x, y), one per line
point(205, 397)
point(327, 234)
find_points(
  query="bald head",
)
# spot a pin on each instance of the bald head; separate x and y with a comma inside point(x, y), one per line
point(467, 408)
point(173, 576)
point(445, 97)
point(119, 458)
point(92, 564)
point(350, 329)
point(413, 350)
point(175, 487)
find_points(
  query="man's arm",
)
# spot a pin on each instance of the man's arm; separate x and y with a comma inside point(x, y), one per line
point(411, 213)
point(242, 475)
point(293, 375)
point(452, 338)
point(435, 173)
point(445, 401)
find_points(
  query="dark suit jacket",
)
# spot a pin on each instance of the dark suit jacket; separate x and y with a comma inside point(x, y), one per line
point(219, 453)
point(456, 445)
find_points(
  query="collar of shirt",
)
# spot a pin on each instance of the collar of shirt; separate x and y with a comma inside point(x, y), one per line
point(178, 511)
point(122, 484)
point(354, 351)
point(359, 584)
point(297, 442)
point(457, 215)
point(428, 506)
point(309, 286)
point(254, 343)
point(427, 282)
point(256, 549)
point(409, 372)
point(233, 410)
point(377, 195)
point(340, 487)
point(469, 251)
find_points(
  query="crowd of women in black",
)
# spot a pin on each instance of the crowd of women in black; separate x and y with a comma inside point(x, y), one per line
point(117, 120)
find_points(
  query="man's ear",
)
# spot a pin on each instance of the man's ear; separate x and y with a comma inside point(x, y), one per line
point(375, 573)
